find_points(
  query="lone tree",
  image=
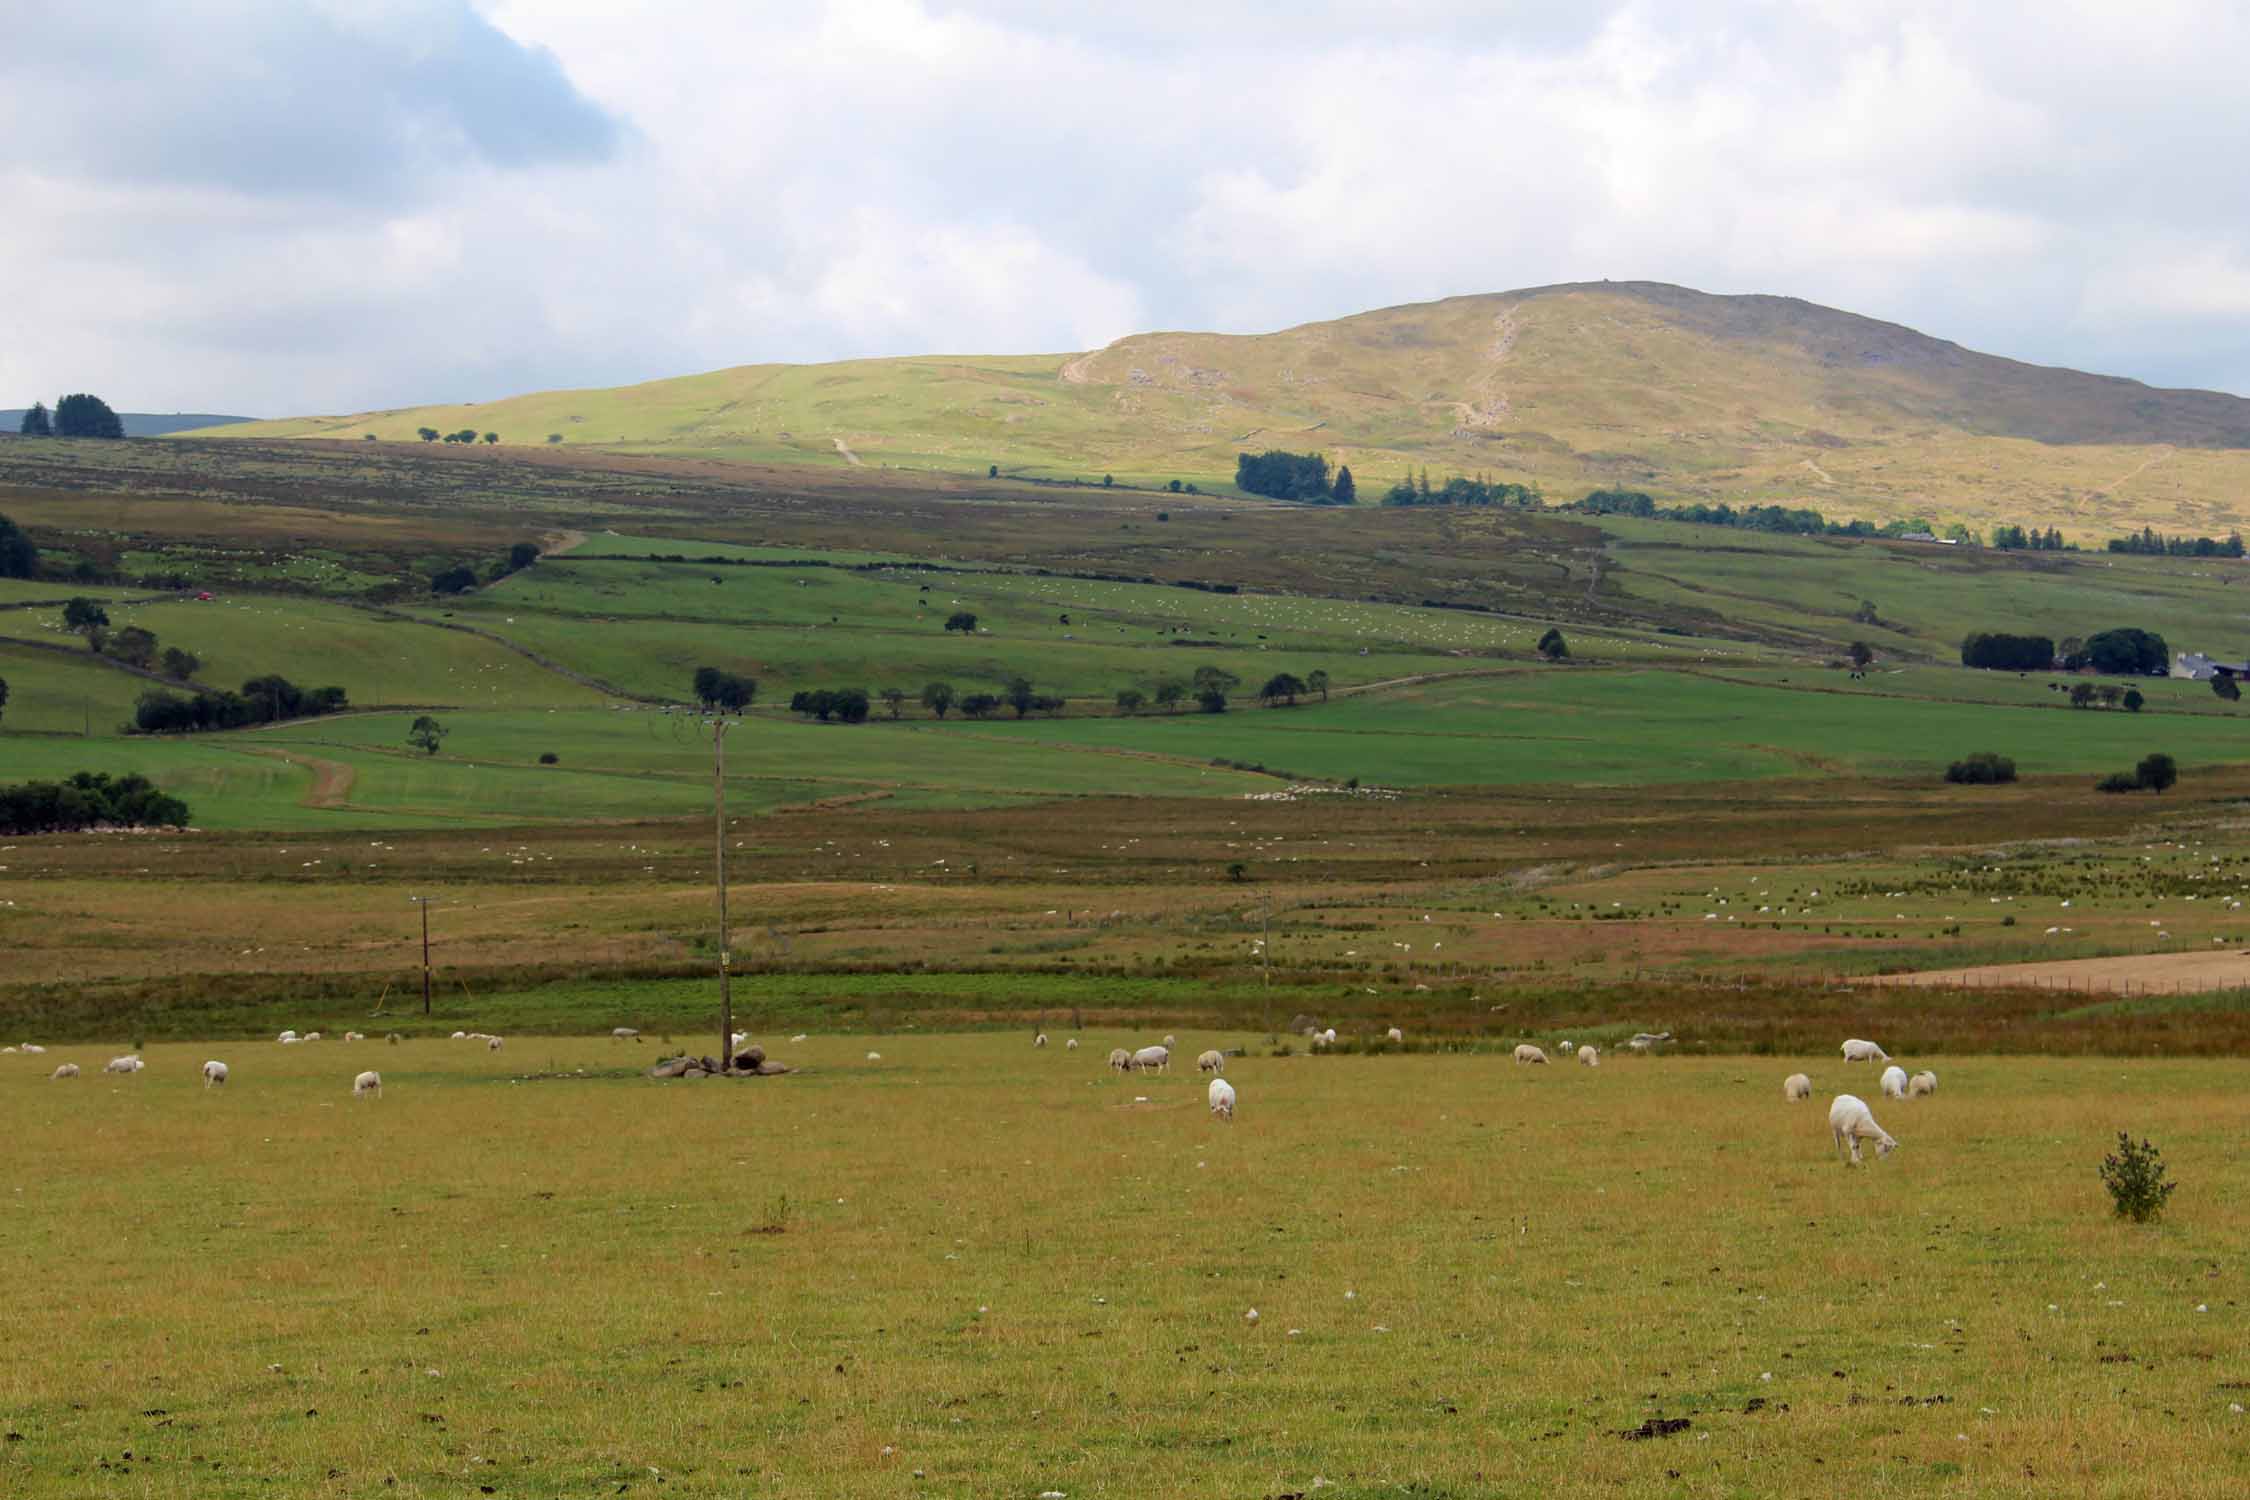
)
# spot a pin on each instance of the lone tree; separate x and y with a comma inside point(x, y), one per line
point(84, 416)
point(492, 437)
point(2133, 700)
point(133, 646)
point(2223, 684)
point(937, 697)
point(453, 581)
point(82, 616)
point(522, 555)
point(426, 434)
point(180, 665)
point(1345, 492)
point(1553, 646)
point(962, 620)
point(426, 735)
point(1284, 686)
point(1129, 701)
point(36, 422)
point(18, 557)
point(2156, 772)
point(1212, 685)
point(1316, 681)
point(1861, 653)
point(893, 698)
point(1018, 695)
point(1169, 693)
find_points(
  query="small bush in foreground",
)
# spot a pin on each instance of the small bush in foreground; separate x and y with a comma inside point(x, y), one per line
point(2135, 1179)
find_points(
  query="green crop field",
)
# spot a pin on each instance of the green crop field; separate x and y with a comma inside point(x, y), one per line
point(535, 1272)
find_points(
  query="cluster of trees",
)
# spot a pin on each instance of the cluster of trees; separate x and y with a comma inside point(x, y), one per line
point(1984, 768)
point(461, 578)
point(824, 704)
point(1292, 476)
point(18, 557)
point(80, 415)
point(1461, 490)
point(2016, 539)
point(962, 620)
point(2124, 652)
point(263, 700)
point(133, 645)
point(717, 689)
point(465, 435)
point(89, 799)
point(2108, 695)
point(2148, 542)
point(2154, 774)
point(1790, 520)
point(1552, 645)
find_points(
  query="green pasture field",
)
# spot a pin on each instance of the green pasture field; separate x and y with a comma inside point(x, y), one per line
point(534, 1271)
point(223, 786)
point(1560, 726)
point(53, 694)
point(376, 659)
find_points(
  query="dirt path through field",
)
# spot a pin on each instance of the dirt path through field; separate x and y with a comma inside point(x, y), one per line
point(2182, 973)
point(332, 779)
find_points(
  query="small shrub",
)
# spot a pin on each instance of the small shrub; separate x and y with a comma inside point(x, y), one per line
point(2118, 781)
point(548, 757)
point(1984, 768)
point(2135, 1179)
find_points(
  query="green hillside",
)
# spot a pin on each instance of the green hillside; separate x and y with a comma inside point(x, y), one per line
point(1764, 399)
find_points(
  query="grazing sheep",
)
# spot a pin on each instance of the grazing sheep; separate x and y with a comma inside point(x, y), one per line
point(67, 1070)
point(460, 1036)
point(214, 1074)
point(1859, 1051)
point(312, 1036)
point(1071, 1045)
point(800, 1036)
point(1039, 1040)
point(367, 1083)
point(1222, 1099)
point(1568, 1046)
point(355, 1036)
point(492, 1044)
point(622, 1033)
point(394, 1039)
point(1153, 1059)
point(1120, 1059)
point(1644, 1040)
point(1851, 1121)
point(33, 1049)
point(1894, 1082)
point(874, 1057)
point(1530, 1054)
point(287, 1036)
point(291, 1041)
point(1796, 1086)
point(1590, 1057)
point(1924, 1082)
point(1394, 1036)
point(1211, 1062)
point(1171, 1042)
point(126, 1064)
point(738, 1039)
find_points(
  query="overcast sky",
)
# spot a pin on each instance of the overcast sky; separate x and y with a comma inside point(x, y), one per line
point(330, 205)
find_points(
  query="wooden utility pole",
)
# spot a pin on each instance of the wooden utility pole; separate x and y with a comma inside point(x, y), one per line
point(424, 903)
point(719, 806)
point(1265, 953)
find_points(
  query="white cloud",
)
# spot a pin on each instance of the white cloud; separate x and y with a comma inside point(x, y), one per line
point(580, 192)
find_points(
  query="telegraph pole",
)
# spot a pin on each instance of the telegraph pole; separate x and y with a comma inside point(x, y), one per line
point(719, 807)
point(424, 903)
point(1265, 955)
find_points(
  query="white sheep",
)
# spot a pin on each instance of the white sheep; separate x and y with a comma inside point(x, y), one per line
point(800, 1036)
point(492, 1044)
point(67, 1070)
point(355, 1036)
point(874, 1057)
point(214, 1073)
point(367, 1083)
point(1120, 1059)
point(1071, 1045)
point(126, 1064)
point(1568, 1046)
point(460, 1036)
point(287, 1036)
point(1796, 1086)
point(1211, 1062)
point(1222, 1099)
point(1924, 1082)
point(1850, 1121)
point(1329, 1036)
point(622, 1033)
point(1590, 1057)
point(33, 1049)
point(1170, 1041)
point(1394, 1036)
point(1530, 1054)
point(1153, 1059)
point(1859, 1051)
point(738, 1039)
point(291, 1041)
point(312, 1036)
point(1894, 1082)
point(1039, 1040)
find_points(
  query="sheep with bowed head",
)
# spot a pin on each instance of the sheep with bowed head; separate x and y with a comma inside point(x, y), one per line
point(67, 1070)
point(1222, 1099)
point(1924, 1082)
point(1856, 1050)
point(214, 1073)
point(1530, 1054)
point(1120, 1059)
point(1850, 1121)
point(1796, 1086)
point(287, 1036)
point(1394, 1036)
point(32, 1049)
point(126, 1064)
point(1590, 1057)
point(1153, 1060)
point(1040, 1040)
point(1211, 1062)
point(1894, 1082)
point(492, 1044)
point(368, 1085)
point(622, 1033)
point(355, 1036)
point(1071, 1045)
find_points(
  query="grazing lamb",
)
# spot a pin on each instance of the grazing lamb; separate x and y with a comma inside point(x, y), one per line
point(1590, 1057)
point(312, 1036)
point(1894, 1082)
point(1039, 1040)
point(1070, 1045)
point(460, 1036)
point(394, 1039)
point(355, 1036)
point(1644, 1040)
point(126, 1064)
point(1171, 1041)
point(214, 1074)
point(1530, 1054)
point(874, 1057)
point(1222, 1099)
point(287, 1036)
point(1153, 1059)
point(1859, 1051)
point(1120, 1059)
point(67, 1070)
point(1394, 1036)
point(1851, 1121)
point(1924, 1082)
point(492, 1044)
point(1796, 1086)
point(622, 1033)
point(367, 1083)
point(739, 1038)
point(1211, 1062)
